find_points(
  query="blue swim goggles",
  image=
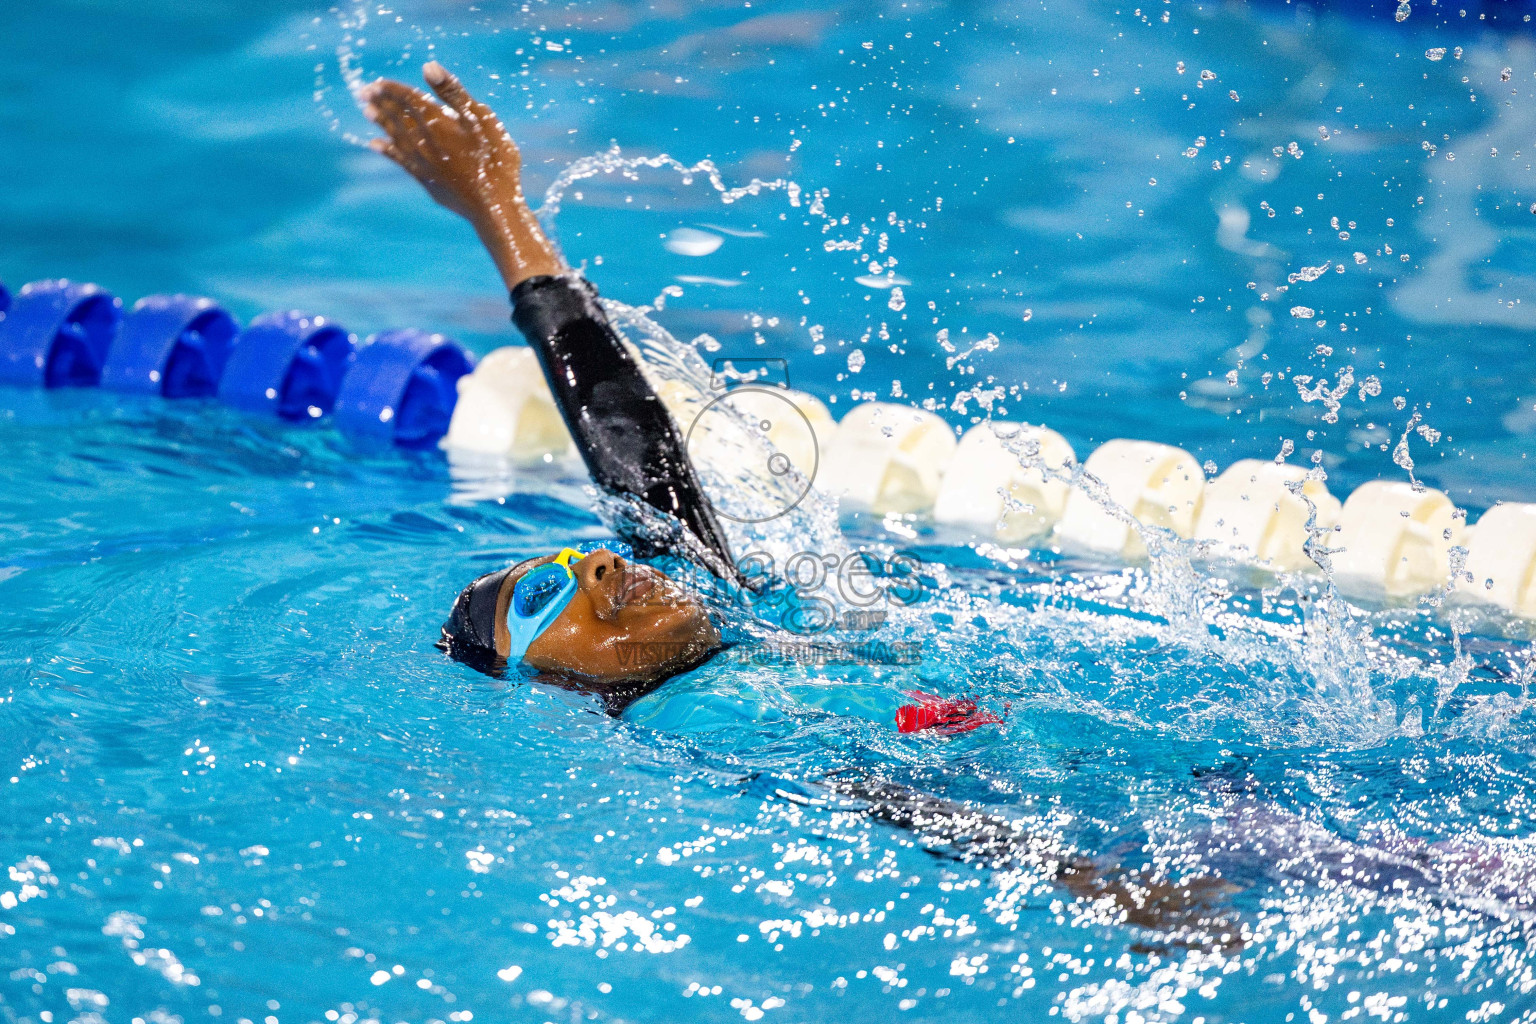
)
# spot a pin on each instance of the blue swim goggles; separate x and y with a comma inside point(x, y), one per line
point(544, 591)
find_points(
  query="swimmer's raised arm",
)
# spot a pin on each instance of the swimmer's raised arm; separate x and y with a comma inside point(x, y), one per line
point(462, 155)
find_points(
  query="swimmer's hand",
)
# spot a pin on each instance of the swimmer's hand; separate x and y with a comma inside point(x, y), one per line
point(462, 155)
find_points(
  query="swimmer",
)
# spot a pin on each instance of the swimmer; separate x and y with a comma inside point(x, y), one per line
point(596, 615)
point(613, 625)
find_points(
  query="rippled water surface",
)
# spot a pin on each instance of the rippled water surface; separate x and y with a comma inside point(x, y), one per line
point(240, 783)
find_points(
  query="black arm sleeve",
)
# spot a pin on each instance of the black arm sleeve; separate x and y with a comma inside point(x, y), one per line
point(622, 429)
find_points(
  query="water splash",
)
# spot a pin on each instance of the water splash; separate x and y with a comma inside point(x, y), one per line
point(1402, 456)
point(613, 161)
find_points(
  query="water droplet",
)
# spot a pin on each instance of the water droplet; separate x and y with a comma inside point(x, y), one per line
point(692, 242)
point(1309, 273)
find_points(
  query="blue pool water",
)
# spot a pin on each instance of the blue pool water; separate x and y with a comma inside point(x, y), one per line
point(241, 784)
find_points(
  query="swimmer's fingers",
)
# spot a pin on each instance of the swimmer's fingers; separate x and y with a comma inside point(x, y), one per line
point(382, 106)
point(442, 126)
point(386, 93)
point(407, 161)
point(405, 129)
point(384, 147)
point(411, 148)
point(410, 107)
point(410, 125)
point(450, 90)
point(400, 92)
point(457, 98)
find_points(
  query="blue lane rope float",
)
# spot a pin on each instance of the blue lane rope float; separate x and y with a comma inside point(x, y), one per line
point(289, 365)
point(56, 334)
point(402, 387)
point(399, 388)
point(174, 346)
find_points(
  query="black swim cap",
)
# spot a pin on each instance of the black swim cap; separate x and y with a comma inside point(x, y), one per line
point(469, 635)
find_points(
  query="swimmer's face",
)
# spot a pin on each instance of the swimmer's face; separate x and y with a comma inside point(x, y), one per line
point(627, 622)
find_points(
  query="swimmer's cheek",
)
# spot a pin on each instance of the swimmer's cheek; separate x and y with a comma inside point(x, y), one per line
point(646, 645)
point(664, 643)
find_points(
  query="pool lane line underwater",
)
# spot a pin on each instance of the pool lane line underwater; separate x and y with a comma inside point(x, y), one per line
point(1014, 482)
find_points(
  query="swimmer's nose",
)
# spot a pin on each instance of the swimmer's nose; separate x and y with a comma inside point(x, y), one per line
point(601, 575)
